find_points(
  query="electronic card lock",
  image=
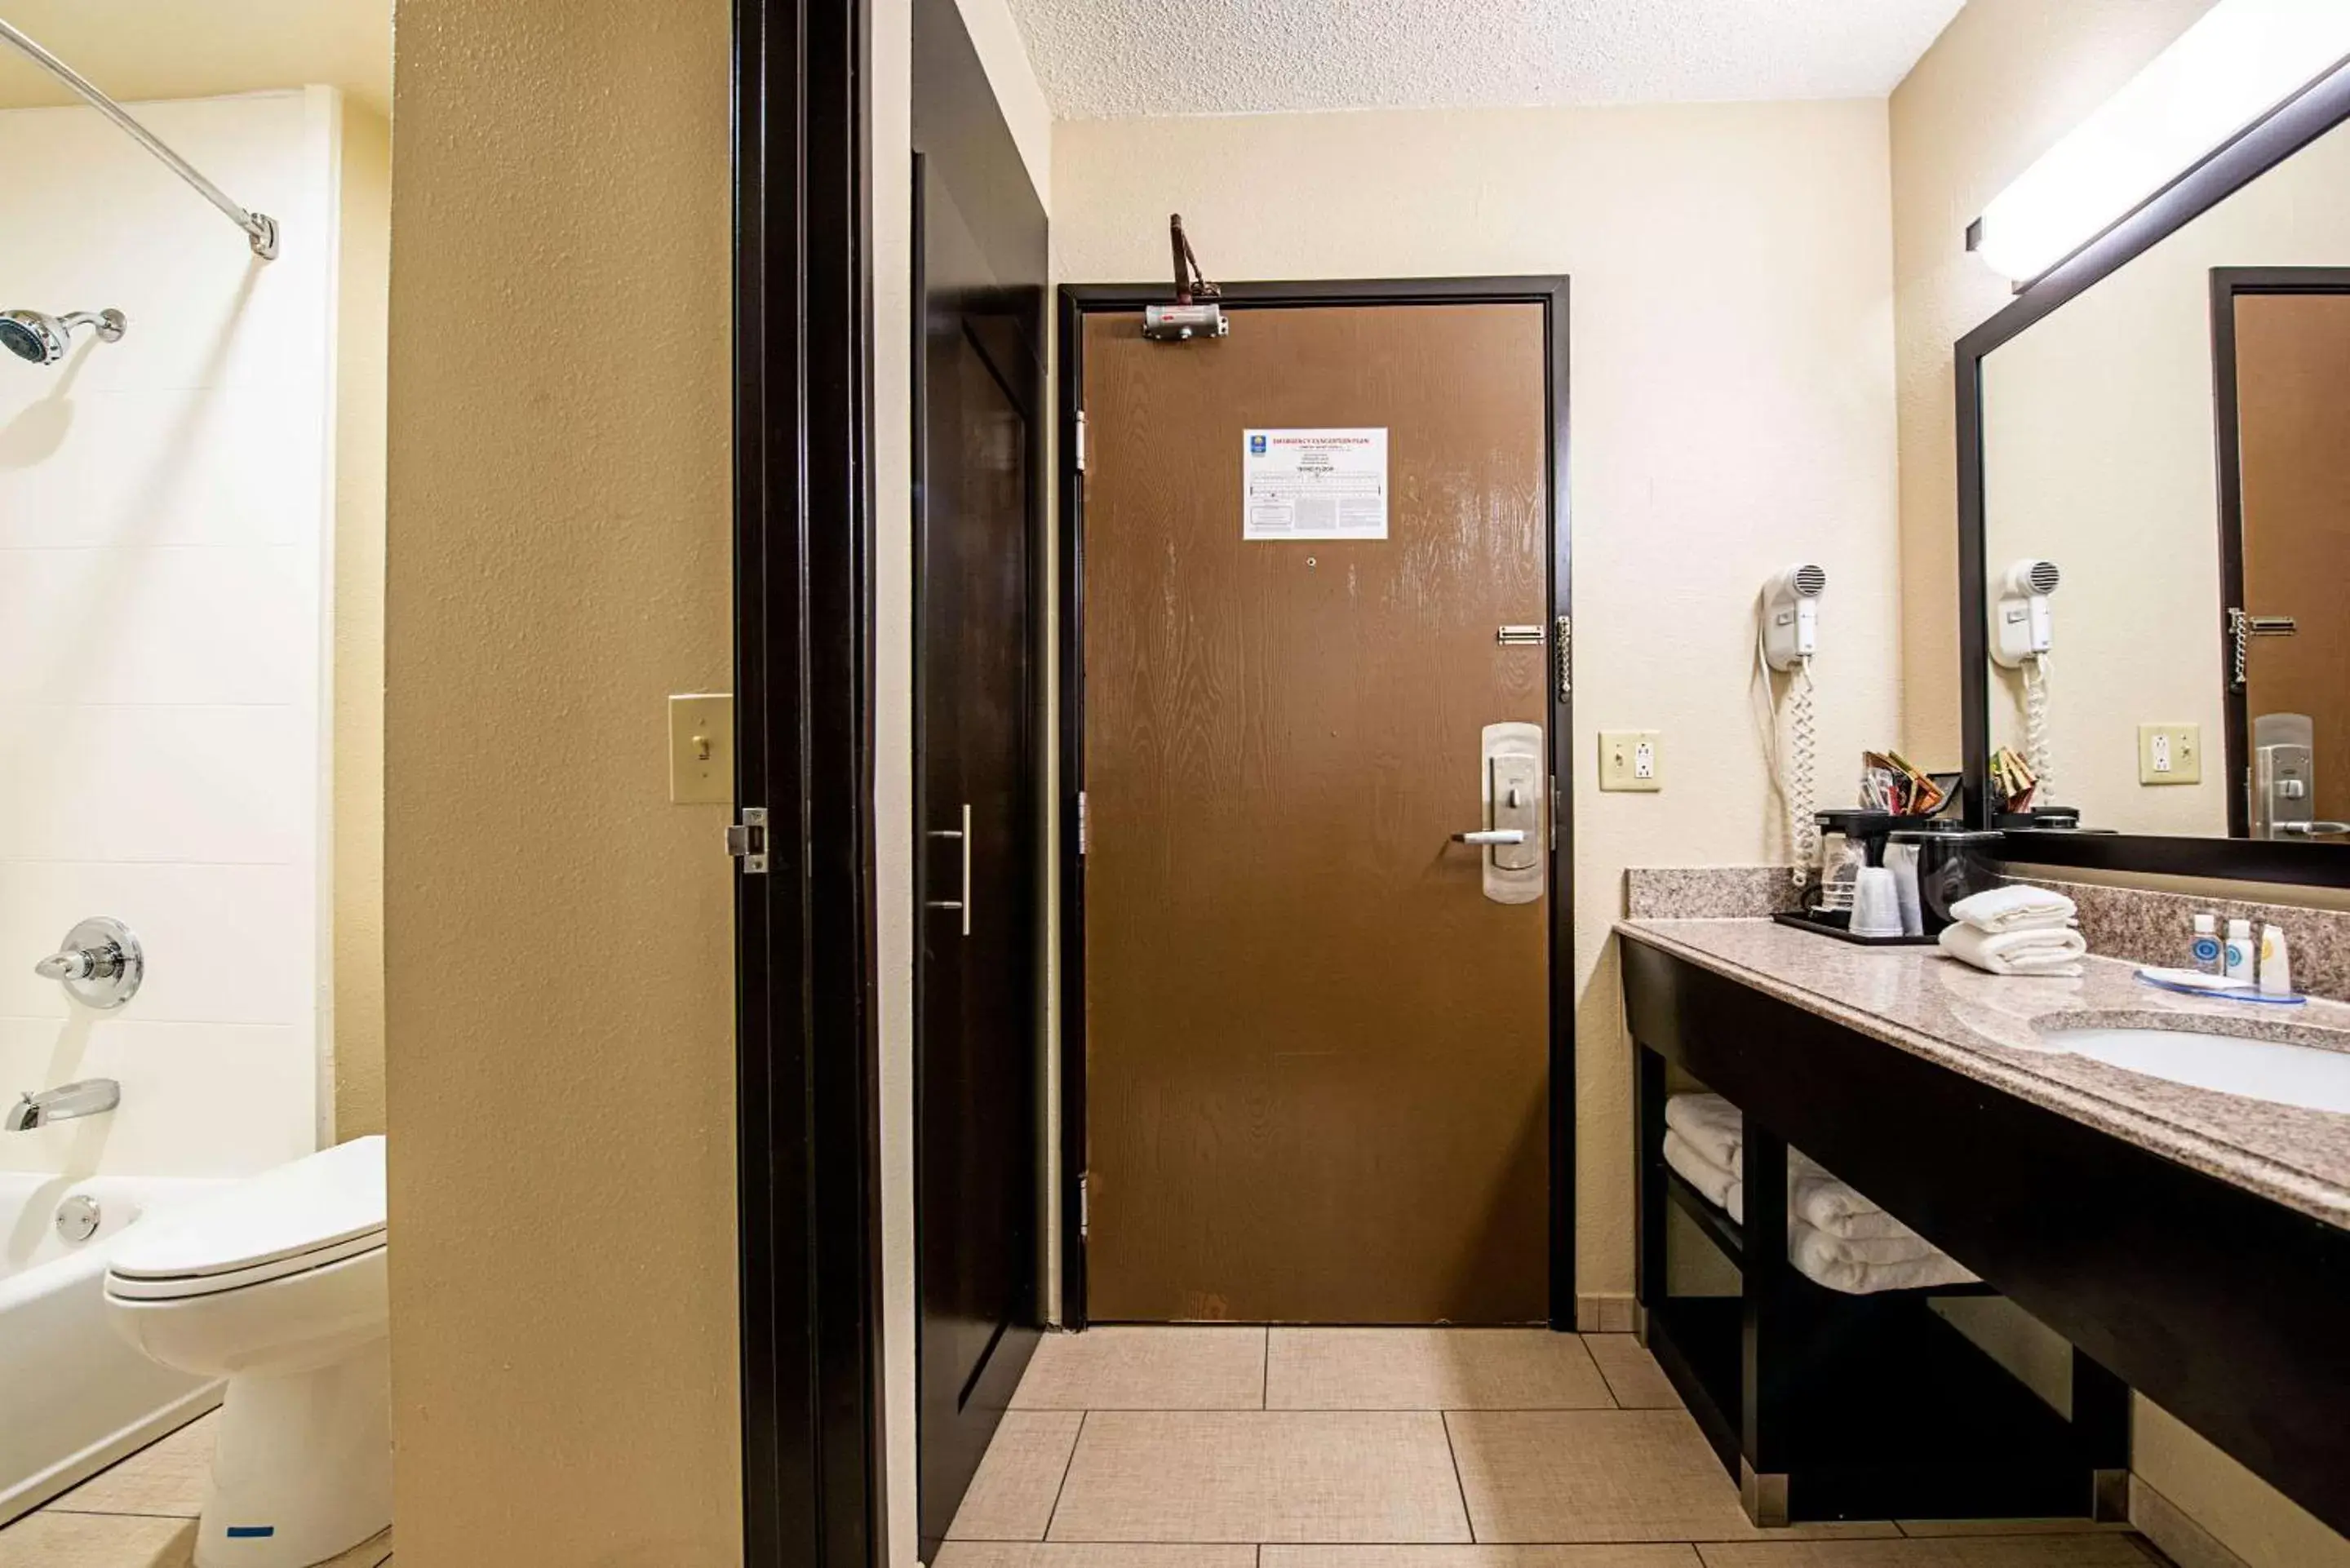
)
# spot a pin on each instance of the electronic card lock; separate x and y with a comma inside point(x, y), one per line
point(1515, 833)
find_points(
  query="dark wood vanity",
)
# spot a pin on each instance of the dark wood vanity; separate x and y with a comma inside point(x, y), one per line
point(2221, 1302)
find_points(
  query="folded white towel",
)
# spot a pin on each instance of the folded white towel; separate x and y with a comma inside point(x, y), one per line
point(2036, 949)
point(1826, 1203)
point(1834, 1263)
point(1713, 1127)
point(2014, 908)
point(1723, 1188)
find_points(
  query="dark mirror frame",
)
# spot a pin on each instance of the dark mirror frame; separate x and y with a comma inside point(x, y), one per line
point(2261, 147)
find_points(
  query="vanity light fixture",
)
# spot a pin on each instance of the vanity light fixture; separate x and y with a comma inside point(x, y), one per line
point(2240, 60)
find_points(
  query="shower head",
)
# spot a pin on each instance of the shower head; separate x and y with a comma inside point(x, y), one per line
point(43, 340)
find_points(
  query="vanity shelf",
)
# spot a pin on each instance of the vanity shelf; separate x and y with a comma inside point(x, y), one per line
point(1825, 1405)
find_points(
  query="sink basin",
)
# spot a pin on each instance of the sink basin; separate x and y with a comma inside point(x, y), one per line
point(2276, 1071)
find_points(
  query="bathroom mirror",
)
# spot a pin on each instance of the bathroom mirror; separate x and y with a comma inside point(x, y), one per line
point(2155, 527)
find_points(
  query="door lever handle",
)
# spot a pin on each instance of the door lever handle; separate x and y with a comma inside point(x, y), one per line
point(1493, 835)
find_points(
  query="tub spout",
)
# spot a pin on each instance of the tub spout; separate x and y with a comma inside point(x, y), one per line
point(63, 1104)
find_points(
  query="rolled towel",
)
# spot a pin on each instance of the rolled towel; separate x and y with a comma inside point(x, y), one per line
point(2036, 949)
point(2016, 908)
point(1723, 1188)
point(1832, 1262)
point(1712, 1125)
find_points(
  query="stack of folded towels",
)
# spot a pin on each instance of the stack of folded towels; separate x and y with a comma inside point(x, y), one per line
point(2015, 930)
point(1834, 1235)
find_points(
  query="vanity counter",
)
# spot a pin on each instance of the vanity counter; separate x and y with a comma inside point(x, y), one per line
point(1988, 1027)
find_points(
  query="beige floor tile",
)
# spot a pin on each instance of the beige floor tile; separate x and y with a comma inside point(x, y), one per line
point(2092, 1550)
point(1155, 1369)
point(1612, 1555)
point(168, 1477)
point(1632, 1374)
point(1603, 1475)
point(48, 1539)
point(1430, 1369)
point(1090, 1554)
point(1011, 1498)
point(1261, 1476)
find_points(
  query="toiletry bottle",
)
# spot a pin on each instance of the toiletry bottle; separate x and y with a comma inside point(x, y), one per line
point(2240, 949)
point(2206, 954)
point(2276, 962)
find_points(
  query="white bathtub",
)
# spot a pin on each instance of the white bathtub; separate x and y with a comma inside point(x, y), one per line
point(75, 1396)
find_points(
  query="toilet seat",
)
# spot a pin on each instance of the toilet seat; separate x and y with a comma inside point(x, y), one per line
point(314, 1212)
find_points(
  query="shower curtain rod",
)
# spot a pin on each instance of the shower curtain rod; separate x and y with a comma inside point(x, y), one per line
point(259, 227)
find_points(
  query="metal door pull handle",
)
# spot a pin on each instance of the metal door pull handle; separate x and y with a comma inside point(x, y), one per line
point(962, 835)
point(1493, 835)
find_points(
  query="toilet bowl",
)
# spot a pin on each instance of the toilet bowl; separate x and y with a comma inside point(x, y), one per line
point(277, 1285)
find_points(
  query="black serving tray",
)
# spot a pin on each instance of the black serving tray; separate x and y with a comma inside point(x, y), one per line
point(1837, 923)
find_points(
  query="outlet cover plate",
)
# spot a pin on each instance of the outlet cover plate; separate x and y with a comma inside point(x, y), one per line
point(701, 749)
point(2169, 753)
point(1631, 760)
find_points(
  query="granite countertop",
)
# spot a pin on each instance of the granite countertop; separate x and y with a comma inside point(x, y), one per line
point(1988, 1027)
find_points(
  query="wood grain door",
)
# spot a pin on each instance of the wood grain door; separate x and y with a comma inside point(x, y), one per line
point(1317, 1053)
point(979, 392)
point(2292, 390)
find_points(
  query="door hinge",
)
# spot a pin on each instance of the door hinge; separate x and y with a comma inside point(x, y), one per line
point(1565, 657)
point(1081, 822)
point(746, 840)
point(1084, 1208)
point(1081, 440)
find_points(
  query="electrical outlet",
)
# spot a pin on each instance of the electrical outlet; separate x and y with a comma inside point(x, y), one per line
point(701, 749)
point(2169, 753)
point(1631, 760)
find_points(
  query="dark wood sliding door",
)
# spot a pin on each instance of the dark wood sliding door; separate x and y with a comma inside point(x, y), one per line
point(979, 380)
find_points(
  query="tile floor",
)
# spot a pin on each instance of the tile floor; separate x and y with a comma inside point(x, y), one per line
point(1379, 1447)
point(139, 1513)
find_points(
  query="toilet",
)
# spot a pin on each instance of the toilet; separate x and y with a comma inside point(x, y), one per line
point(277, 1285)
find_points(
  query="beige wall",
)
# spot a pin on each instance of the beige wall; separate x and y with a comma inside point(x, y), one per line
point(2122, 492)
point(362, 298)
point(2004, 82)
point(558, 991)
point(1732, 399)
point(2001, 85)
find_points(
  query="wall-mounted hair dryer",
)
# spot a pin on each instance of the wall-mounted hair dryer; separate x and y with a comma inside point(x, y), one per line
point(1791, 615)
point(2022, 627)
point(1785, 639)
point(2022, 632)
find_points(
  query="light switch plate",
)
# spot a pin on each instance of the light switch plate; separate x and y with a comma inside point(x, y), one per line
point(701, 749)
point(1631, 760)
point(2169, 753)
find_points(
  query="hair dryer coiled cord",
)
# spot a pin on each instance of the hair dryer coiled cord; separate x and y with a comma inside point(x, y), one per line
point(2035, 727)
point(1803, 830)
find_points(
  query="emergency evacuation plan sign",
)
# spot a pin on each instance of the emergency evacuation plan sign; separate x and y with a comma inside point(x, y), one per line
point(1314, 484)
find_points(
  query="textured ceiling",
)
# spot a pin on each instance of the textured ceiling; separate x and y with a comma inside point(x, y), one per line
point(137, 49)
point(1101, 59)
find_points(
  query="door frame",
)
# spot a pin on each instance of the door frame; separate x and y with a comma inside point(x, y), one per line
point(807, 1051)
point(2228, 283)
point(1078, 301)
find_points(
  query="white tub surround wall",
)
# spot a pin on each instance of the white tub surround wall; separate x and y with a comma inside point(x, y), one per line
point(166, 532)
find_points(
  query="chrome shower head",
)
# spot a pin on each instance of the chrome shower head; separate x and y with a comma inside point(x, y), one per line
point(43, 340)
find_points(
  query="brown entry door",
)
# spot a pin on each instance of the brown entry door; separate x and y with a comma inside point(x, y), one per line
point(2293, 391)
point(1316, 1051)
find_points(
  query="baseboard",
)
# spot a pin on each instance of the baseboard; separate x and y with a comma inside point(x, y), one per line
point(1603, 1314)
point(2184, 1542)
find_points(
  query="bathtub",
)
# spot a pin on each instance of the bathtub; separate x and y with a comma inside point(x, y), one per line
point(75, 1396)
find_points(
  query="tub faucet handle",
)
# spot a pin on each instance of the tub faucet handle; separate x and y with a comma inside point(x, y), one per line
point(100, 962)
point(80, 963)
